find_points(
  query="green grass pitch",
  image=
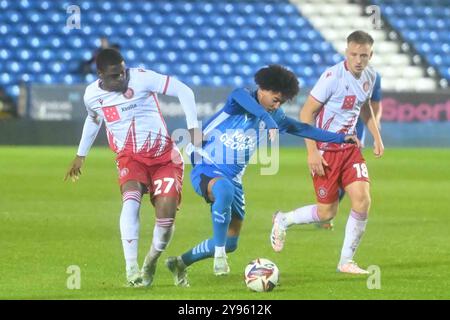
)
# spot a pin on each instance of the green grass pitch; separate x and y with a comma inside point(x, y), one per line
point(47, 225)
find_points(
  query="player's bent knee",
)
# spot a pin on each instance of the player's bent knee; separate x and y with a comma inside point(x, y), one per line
point(326, 213)
point(224, 190)
point(232, 244)
point(326, 216)
point(361, 202)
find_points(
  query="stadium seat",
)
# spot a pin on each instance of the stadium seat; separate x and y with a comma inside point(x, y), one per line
point(204, 42)
point(424, 25)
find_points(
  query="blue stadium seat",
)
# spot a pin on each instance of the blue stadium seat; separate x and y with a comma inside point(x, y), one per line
point(14, 42)
point(209, 57)
point(25, 55)
point(27, 77)
point(46, 78)
point(14, 67)
point(12, 90)
point(5, 79)
point(34, 67)
point(424, 25)
point(204, 42)
point(71, 79)
point(56, 67)
point(201, 69)
point(181, 69)
point(46, 55)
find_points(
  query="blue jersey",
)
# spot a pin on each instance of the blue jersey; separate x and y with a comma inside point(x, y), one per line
point(234, 133)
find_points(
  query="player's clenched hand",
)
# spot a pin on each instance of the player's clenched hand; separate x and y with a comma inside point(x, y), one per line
point(378, 148)
point(316, 163)
point(272, 134)
point(353, 140)
point(74, 171)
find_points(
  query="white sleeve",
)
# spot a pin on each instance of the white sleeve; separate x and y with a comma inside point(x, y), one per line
point(176, 88)
point(91, 128)
point(325, 86)
point(153, 81)
point(159, 83)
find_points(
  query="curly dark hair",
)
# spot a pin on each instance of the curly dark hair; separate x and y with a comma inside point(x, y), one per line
point(278, 79)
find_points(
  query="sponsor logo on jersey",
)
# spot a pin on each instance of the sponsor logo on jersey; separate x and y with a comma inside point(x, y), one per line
point(123, 172)
point(111, 114)
point(349, 102)
point(129, 93)
point(238, 141)
point(131, 106)
point(366, 86)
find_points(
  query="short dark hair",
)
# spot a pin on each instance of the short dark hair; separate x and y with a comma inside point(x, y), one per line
point(278, 79)
point(108, 57)
point(360, 37)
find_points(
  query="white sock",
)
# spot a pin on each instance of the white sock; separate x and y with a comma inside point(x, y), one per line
point(129, 227)
point(162, 234)
point(219, 252)
point(303, 215)
point(356, 225)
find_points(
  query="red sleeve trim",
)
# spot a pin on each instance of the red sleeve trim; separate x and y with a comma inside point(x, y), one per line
point(316, 99)
point(166, 85)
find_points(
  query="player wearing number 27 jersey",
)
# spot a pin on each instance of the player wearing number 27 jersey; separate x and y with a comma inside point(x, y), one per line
point(340, 95)
point(125, 99)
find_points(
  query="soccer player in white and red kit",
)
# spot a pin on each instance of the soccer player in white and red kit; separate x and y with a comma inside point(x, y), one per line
point(341, 94)
point(147, 158)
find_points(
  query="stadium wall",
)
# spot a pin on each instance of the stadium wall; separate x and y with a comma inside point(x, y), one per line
point(54, 115)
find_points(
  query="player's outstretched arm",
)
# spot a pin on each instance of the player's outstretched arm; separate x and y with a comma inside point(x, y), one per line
point(186, 97)
point(91, 127)
point(307, 115)
point(246, 101)
point(297, 128)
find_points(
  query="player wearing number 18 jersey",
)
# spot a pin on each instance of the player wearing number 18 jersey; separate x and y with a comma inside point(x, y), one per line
point(147, 159)
point(341, 94)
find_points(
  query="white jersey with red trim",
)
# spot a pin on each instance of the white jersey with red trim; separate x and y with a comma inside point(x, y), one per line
point(133, 119)
point(342, 96)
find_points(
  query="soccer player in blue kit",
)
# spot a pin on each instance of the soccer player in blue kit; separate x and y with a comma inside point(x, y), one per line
point(231, 136)
point(375, 102)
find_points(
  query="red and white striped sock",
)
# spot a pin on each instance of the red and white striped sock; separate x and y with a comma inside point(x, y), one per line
point(354, 230)
point(129, 226)
point(162, 234)
point(303, 215)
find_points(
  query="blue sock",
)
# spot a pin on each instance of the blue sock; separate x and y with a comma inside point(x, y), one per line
point(223, 191)
point(205, 249)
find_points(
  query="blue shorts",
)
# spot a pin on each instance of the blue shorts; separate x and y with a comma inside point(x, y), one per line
point(202, 174)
